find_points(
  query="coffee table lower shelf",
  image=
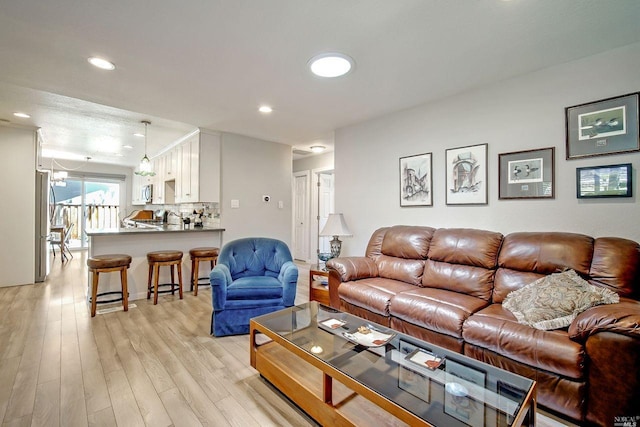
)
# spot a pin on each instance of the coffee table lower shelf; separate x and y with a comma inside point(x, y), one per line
point(303, 383)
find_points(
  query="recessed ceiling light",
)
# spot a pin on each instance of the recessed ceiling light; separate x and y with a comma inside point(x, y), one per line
point(128, 147)
point(101, 63)
point(330, 64)
point(21, 115)
point(265, 109)
point(139, 135)
point(318, 148)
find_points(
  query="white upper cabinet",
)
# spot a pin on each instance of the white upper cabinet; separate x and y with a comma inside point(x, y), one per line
point(187, 173)
point(199, 169)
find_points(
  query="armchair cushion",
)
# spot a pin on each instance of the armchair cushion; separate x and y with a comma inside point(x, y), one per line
point(254, 287)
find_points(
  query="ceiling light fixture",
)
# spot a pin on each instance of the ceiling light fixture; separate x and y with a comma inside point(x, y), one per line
point(145, 164)
point(128, 147)
point(139, 135)
point(101, 63)
point(331, 64)
point(21, 115)
point(318, 148)
point(265, 109)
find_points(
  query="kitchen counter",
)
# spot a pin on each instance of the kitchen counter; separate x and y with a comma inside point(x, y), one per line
point(137, 242)
point(151, 229)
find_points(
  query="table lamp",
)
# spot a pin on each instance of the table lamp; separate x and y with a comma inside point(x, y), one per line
point(335, 226)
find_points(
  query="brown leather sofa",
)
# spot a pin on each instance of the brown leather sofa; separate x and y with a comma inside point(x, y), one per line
point(446, 286)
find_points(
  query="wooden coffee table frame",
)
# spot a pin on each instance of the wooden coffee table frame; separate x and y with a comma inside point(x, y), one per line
point(309, 383)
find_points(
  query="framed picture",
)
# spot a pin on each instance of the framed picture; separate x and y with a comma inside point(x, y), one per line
point(415, 180)
point(461, 400)
point(467, 175)
point(509, 397)
point(527, 174)
point(604, 181)
point(609, 126)
point(414, 383)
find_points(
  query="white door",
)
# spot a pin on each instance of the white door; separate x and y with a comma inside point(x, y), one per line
point(325, 206)
point(301, 217)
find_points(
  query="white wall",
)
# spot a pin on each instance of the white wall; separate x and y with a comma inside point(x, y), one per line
point(519, 114)
point(17, 229)
point(321, 161)
point(252, 168)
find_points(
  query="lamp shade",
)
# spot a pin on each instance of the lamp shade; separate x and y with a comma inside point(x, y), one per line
point(335, 226)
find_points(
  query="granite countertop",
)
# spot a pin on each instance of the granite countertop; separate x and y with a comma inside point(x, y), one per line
point(152, 229)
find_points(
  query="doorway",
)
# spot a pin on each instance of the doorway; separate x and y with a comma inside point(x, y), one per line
point(326, 196)
point(87, 204)
point(301, 221)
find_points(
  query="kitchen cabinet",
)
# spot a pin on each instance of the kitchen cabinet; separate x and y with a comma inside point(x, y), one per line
point(187, 173)
point(158, 181)
point(199, 169)
point(170, 165)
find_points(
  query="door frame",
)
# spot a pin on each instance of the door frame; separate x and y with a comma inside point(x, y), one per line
point(315, 210)
point(307, 223)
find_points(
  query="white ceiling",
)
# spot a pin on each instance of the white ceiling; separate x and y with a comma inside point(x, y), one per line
point(211, 63)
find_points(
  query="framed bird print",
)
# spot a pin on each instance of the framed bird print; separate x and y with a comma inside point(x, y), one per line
point(527, 174)
point(609, 126)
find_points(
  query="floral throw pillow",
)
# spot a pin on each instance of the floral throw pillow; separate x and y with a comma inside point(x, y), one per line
point(553, 301)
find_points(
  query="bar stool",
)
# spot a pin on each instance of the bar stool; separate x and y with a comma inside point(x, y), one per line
point(105, 264)
point(157, 259)
point(201, 254)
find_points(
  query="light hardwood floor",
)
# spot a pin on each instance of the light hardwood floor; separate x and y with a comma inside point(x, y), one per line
point(153, 365)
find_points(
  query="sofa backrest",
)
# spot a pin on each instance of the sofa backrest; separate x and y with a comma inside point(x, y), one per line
point(527, 256)
point(616, 266)
point(400, 251)
point(463, 260)
point(254, 256)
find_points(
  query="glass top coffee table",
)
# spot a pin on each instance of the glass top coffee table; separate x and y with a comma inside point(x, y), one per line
point(344, 370)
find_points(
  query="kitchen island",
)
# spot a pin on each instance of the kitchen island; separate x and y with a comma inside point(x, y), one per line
point(137, 242)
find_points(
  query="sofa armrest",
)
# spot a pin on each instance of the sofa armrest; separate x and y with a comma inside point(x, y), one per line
point(346, 269)
point(220, 278)
point(289, 278)
point(622, 318)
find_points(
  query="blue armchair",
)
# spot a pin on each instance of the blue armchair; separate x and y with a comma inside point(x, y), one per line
point(253, 276)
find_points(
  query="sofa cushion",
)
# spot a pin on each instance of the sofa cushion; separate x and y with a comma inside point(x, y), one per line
point(616, 265)
point(463, 260)
point(553, 301)
point(525, 257)
point(406, 270)
point(372, 294)
point(409, 242)
point(464, 246)
point(438, 310)
point(496, 328)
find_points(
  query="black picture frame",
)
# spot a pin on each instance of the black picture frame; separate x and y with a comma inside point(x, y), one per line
point(605, 127)
point(416, 180)
point(608, 181)
point(528, 174)
point(466, 175)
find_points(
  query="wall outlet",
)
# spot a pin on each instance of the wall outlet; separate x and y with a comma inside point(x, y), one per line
point(235, 204)
point(266, 198)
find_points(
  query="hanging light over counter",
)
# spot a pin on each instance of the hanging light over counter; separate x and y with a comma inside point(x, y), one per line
point(145, 164)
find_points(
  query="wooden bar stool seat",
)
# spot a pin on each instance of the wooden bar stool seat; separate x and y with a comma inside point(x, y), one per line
point(158, 259)
point(105, 264)
point(197, 255)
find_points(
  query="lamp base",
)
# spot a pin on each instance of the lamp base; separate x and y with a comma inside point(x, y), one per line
point(336, 246)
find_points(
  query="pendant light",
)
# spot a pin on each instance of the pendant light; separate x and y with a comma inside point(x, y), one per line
point(145, 164)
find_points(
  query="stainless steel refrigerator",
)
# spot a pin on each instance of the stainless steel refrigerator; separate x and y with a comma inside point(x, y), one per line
point(42, 226)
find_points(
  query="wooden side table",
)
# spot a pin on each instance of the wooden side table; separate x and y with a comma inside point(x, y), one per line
point(318, 291)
